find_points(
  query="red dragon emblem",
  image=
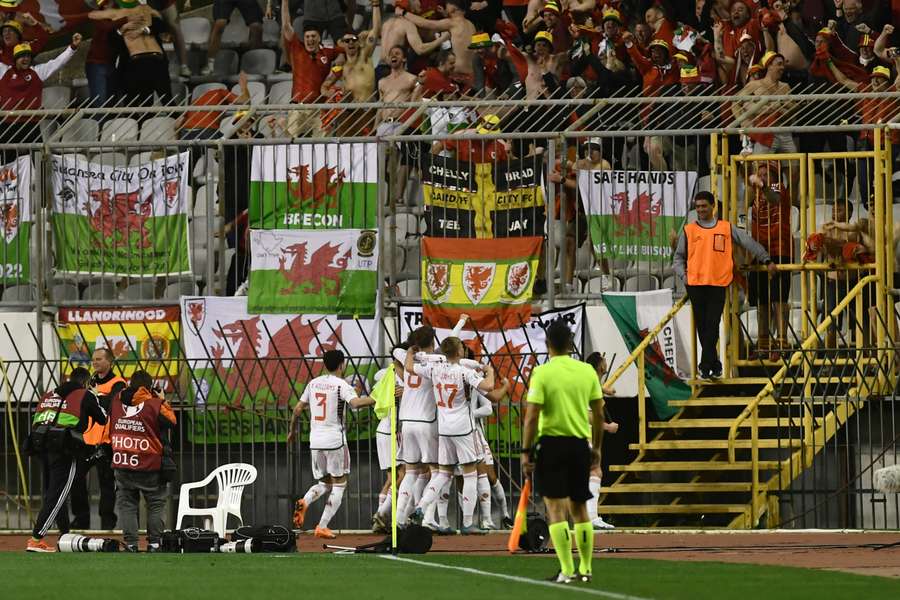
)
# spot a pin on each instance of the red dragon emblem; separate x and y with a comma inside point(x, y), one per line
point(517, 277)
point(197, 312)
point(171, 187)
point(635, 217)
point(319, 192)
point(477, 280)
point(321, 269)
point(288, 363)
point(9, 220)
point(437, 278)
point(118, 217)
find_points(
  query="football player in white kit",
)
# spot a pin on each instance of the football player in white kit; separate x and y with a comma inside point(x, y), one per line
point(325, 397)
point(489, 487)
point(456, 426)
point(598, 361)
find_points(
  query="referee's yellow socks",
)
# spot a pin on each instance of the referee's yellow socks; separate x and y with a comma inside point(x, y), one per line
point(562, 545)
point(584, 541)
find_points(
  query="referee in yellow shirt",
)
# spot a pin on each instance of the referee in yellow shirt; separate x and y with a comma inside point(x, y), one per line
point(555, 447)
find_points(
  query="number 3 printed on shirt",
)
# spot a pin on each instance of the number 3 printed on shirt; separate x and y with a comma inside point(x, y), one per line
point(446, 387)
point(321, 400)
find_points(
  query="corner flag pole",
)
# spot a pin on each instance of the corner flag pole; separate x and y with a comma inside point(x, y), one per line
point(393, 473)
point(521, 514)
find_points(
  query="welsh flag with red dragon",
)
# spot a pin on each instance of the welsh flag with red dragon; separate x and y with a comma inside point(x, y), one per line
point(488, 279)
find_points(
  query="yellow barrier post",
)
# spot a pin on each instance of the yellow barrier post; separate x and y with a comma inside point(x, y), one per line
point(642, 403)
point(880, 253)
point(754, 459)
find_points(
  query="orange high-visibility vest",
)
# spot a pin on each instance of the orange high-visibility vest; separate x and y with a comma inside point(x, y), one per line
point(95, 433)
point(709, 254)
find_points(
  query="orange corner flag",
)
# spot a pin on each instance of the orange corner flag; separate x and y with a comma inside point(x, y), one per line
point(521, 514)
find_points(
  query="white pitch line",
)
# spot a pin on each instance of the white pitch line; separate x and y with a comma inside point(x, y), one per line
point(574, 587)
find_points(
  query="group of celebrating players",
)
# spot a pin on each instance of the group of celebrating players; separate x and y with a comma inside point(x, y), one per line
point(444, 399)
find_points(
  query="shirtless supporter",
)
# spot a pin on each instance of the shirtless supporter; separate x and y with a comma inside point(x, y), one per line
point(398, 86)
point(459, 28)
point(403, 33)
point(141, 64)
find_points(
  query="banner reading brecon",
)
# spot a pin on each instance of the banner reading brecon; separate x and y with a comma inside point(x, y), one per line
point(248, 370)
point(514, 352)
point(139, 338)
point(314, 186)
point(129, 221)
point(15, 220)
point(490, 280)
point(330, 272)
point(631, 213)
point(483, 200)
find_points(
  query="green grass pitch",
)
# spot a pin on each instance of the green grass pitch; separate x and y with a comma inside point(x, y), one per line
point(332, 577)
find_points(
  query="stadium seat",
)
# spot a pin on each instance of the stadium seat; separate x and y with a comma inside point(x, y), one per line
point(641, 283)
point(56, 96)
point(139, 158)
point(271, 33)
point(19, 293)
point(795, 219)
point(113, 159)
point(226, 64)
point(749, 324)
point(202, 201)
point(236, 32)
point(408, 228)
point(399, 257)
point(140, 290)
point(196, 31)
point(231, 479)
point(100, 290)
point(201, 89)
point(602, 283)
point(257, 64)
point(176, 290)
point(584, 257)
point(205, 169)
point(410, 288)
point(280, 93)
point(158, 129)
point(122, 129)
point(82, 130)
point(63, 291)
point(199, 260)
point(257, 92)
point(413, 262)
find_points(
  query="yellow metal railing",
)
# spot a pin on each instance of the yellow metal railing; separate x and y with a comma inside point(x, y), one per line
point(637, 356)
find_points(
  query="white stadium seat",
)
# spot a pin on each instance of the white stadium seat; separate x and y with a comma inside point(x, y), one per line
point(121, 129)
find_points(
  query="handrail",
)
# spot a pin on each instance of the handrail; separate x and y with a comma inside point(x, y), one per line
point(648, 339)
point(793, 361)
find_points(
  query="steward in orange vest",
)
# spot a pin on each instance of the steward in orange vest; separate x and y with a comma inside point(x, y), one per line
point(704, 260)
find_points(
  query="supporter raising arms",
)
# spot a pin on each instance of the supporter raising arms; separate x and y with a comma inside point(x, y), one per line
point(459, 28)
point(402, 32)
point(359, 74)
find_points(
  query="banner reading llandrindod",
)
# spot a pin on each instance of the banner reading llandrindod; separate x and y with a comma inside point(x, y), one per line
point(247, 371)
point(144, 338)
point(128, 221)
point(297, 271)
point(15, 219)
point(314, 186)
point(490, 280)
point(635, 314)
point(631, 213)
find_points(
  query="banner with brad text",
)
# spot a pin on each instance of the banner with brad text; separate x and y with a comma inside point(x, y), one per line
point(125, 221)
point(631, 214)
point(15, 219)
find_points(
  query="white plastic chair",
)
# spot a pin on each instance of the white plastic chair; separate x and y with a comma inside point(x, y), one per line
point(232, 479)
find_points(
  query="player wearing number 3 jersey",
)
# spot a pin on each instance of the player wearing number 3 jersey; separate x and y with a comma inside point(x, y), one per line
point(325, 397)
point(457, 444)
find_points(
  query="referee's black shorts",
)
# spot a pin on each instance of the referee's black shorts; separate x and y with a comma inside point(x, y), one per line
point(563, 468)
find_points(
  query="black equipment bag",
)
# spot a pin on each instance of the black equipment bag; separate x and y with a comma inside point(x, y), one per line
point(536, 537)
point(190, 540)
point(274, 538)
point(412, 539)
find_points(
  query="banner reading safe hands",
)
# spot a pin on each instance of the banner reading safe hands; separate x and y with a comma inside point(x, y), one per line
point(121, 220)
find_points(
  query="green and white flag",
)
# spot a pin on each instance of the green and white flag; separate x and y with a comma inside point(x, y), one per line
point(630, 213)
point(296, 271)
point(15, 219)
point(129, 221)
point(635, 314)
point(314, 186)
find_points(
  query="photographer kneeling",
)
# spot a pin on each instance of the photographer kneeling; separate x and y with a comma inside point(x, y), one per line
point(59, 421)
point(139, 418)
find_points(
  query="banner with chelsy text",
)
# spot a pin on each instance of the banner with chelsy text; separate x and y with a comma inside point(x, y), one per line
point(314, 186)
point(484, 200)
point(145, 338)
point(514, 352)
point(15, 220)
point(126, 221)
point(631, 214)
point(248, 370)
point(332, 272)
point(490, 280)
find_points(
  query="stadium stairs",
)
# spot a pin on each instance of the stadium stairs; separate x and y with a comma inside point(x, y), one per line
point(682, 475)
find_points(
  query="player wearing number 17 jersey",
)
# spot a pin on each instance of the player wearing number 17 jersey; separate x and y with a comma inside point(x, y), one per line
point(325, 396)
point(457, 444)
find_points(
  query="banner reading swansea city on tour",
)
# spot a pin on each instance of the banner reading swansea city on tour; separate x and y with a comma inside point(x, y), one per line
point(15, 219)
point(314, 186)
point(631, 214)
point(116, 220)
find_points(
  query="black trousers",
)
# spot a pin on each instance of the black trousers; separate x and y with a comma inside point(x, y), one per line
point(707, 302)
point(81, 505)
point(143, 76)
point(58, 472)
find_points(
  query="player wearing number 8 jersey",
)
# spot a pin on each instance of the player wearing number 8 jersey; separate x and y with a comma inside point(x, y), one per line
point(457, 444)
point(325, 397)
